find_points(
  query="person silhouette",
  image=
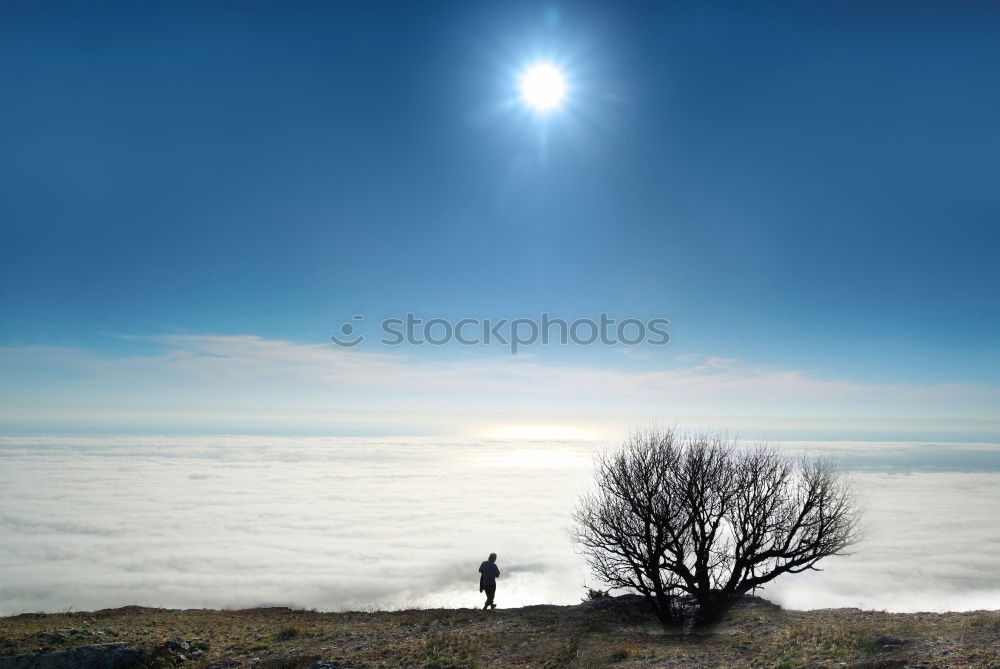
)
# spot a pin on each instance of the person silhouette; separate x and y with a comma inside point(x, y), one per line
point(488, 575)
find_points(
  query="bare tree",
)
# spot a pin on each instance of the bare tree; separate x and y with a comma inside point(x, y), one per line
point(709, 517)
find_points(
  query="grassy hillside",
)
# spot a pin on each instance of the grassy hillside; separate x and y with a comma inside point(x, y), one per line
point(605, 632)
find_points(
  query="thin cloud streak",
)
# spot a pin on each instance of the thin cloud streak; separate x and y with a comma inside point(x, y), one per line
point(230, 375)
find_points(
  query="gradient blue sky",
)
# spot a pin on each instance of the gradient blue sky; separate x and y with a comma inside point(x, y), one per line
point(806, 190)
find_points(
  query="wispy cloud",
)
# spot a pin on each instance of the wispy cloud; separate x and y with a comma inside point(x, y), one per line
point(234, 374)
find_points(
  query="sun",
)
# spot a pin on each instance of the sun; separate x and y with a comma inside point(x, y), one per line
point(543, 87)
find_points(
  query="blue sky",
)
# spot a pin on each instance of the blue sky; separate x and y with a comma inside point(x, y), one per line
point(807, 192)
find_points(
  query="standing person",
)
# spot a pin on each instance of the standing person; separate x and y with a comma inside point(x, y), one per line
point(488, 575)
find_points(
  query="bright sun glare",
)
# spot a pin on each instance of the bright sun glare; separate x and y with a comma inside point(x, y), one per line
point(543, 87)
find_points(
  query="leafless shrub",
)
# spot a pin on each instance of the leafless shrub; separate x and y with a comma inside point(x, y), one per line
point(709, 517)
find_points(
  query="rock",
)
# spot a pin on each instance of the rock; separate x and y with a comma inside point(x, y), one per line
point(888, 642)
point(222, 664)
point(97, 656)
point(171, 652)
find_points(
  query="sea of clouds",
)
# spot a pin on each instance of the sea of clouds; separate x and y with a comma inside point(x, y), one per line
point(338, 523)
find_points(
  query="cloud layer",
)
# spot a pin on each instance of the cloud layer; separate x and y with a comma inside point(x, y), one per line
point(356, 523)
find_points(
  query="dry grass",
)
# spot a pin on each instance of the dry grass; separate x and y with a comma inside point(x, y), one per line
point(591, 635)
point(983, 622)
point(850, 637)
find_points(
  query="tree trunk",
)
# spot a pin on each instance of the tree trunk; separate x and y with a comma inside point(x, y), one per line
point(712, 606)
point(663, 605)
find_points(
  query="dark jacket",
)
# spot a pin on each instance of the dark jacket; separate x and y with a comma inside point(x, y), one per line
point(489, 573)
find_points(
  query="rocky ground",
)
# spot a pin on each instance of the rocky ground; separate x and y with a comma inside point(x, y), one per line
point(604, 632)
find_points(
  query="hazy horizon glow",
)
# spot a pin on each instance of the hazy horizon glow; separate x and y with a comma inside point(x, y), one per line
point(210, 384)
